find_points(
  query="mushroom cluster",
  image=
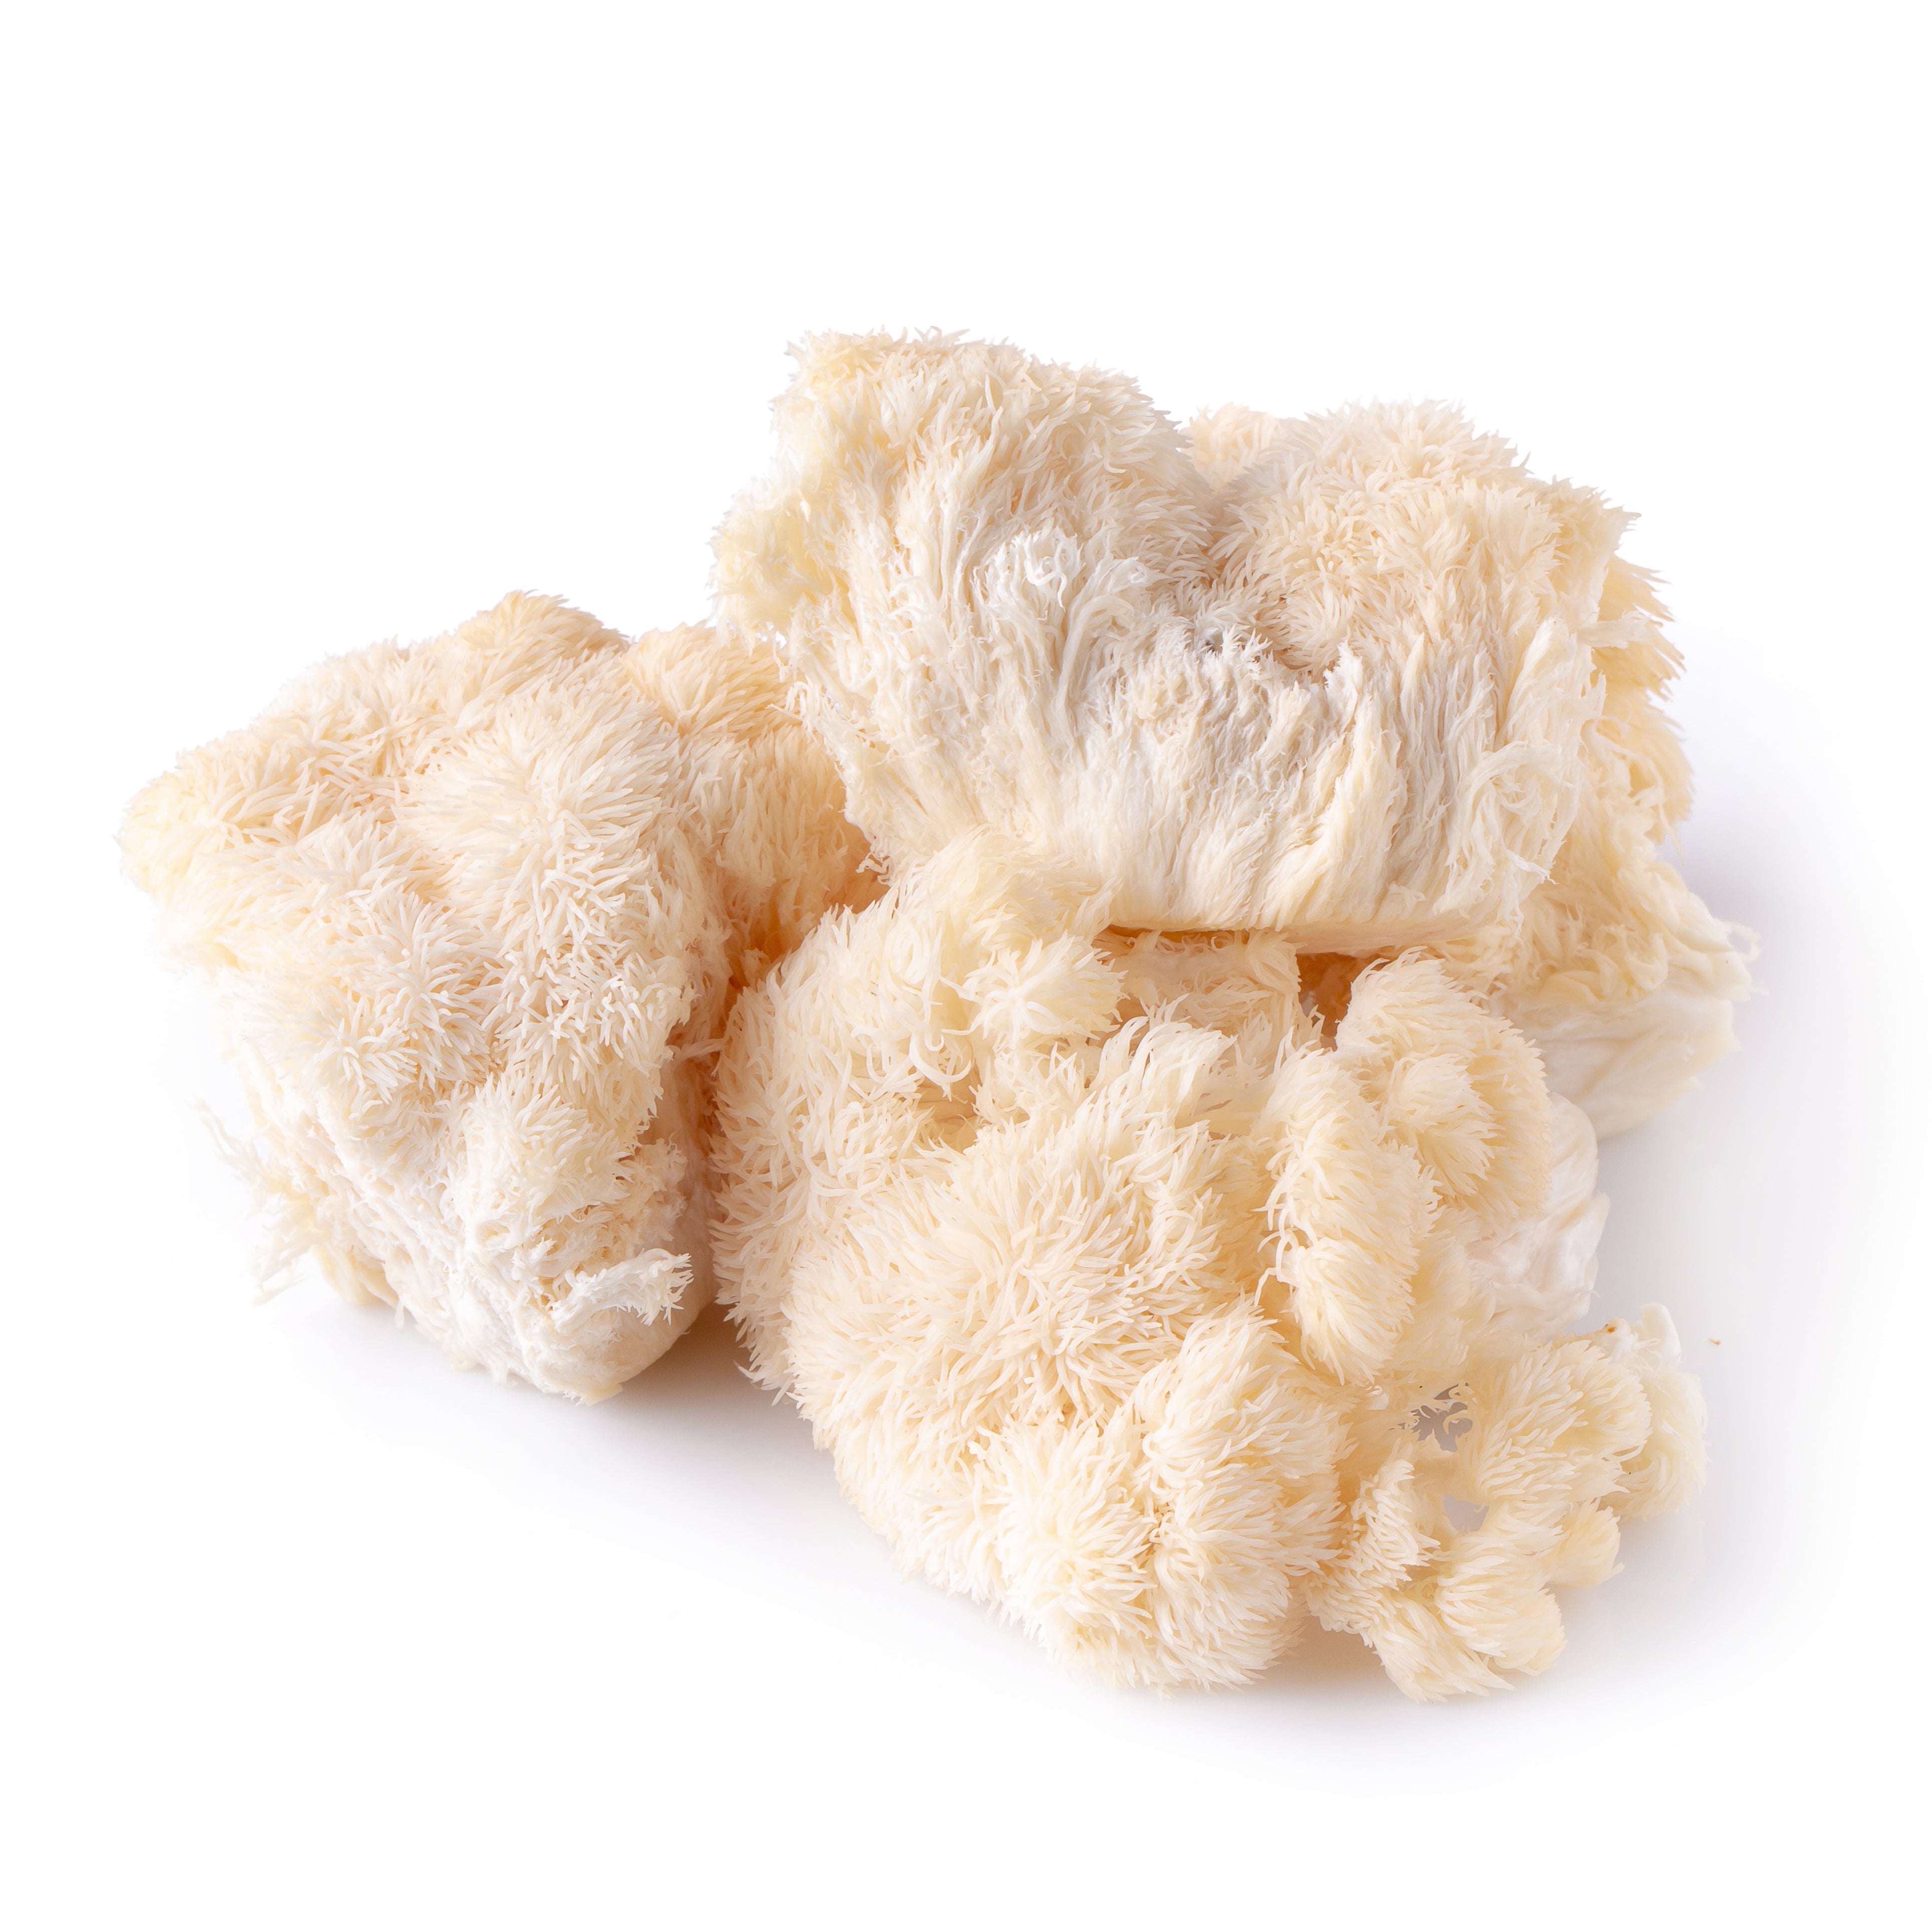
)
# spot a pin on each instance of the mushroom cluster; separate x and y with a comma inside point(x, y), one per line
point(1109, 957)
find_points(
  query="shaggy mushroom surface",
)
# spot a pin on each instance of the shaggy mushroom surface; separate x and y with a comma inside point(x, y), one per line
point(1361, 680)
point(1340, 696)
point(1174, 1202)
point(473, 912)
point(1133, 1296)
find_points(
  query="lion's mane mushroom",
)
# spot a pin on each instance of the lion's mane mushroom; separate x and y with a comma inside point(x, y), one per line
point(1133, 1297)
point(1360, 679)
point(1155, 1201)
point(1611, 965)
point(474, 912)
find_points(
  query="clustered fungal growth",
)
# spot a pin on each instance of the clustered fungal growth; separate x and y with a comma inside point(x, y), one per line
point(473, 913)
point(1164, 1170)
point(1130, 1298)
point(1360, 680)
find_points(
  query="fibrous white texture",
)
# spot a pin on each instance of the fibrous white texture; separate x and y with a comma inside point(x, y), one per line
point(473, 912)
point(1612, 966)
point(1615, 968)
point(1155, 1201)
point(1341, 697)
point(1360, 679)
point(1132, 1295)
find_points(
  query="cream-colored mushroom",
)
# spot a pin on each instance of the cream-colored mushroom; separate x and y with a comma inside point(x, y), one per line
point(473, 913)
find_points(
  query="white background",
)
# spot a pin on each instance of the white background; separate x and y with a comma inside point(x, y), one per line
point(325, 325)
